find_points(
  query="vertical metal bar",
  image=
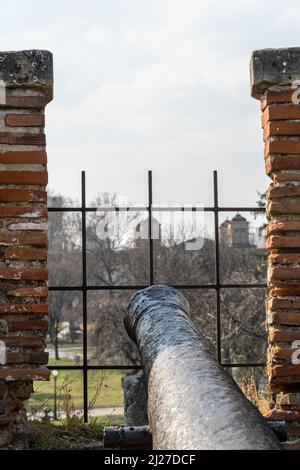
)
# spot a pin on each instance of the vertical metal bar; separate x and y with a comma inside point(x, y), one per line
point(150, 202)
point(217, 266)
point(84, 298)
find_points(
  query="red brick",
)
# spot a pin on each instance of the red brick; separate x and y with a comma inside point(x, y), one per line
point(23, 211)
point(284, 370)
point(284, 354)
point(284, 206)
point(284, 96)
point(276, 241)
point(284, 258)
point(11, 138)
point(30, 254)
point(283, 302)
point(5, 438)
point(32, 157)
point(24, 238)
point(284, 336)
point(282, 163)
point(275, 192)
point(281, 273)
point(287, 318)
point(25, 120)
point(33, 274)
point(23, 195)
point(24, 177)
point(275, 291)
point(22, 390)
point(2, 390)
point(24, 309)
point(280, 227)
point(291, 445)
point(286, 177)
point(293, 430)
point(272, 113)
point(29, 292)
point(280, 415)
point(23, 341)
point(24, 374)
point(283, 147)
point(31, 357)
point(28, 325)
point(26, 102)
point(284, 128)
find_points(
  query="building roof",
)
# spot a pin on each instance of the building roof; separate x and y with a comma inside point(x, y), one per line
point(238, 218)
point(226, 222)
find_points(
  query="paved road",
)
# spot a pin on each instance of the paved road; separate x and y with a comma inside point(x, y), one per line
point(118, 410)
point(63, 352)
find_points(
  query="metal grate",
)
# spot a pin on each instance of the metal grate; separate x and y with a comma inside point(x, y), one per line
point(84, 288)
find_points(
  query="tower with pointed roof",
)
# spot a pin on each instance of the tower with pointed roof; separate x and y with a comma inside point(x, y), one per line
point(239, 232)
point(234, 233)
point(224, 233)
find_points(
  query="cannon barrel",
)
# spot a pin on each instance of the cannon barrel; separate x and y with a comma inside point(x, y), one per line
point(192, 402)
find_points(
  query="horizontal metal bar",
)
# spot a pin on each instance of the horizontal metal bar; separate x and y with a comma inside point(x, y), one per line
point(241, 209)
point(87, 288)
point(242, 365)
point(176, 286)
point(156, 209)
point(66, 209)
point(243, 286)
point(135, 367)
point(90, 367)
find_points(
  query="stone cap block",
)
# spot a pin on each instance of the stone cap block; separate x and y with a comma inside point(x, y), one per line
point(273, 67)
point(28, 69)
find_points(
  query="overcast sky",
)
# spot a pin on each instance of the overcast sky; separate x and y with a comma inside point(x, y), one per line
point(153, 84)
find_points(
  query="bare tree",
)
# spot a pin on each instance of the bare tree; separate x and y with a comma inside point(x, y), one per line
point(124, 260)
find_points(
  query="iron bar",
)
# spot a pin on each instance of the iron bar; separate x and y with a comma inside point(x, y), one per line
point(155, 208)
point(176, 286)
point(217, 268)
point(151, 257)
point(85, 288)
point(84, 300)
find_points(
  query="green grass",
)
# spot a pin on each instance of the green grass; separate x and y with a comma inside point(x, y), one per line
point(71, 434)
point(70, 348)
point(104, 389)
point(65, 361)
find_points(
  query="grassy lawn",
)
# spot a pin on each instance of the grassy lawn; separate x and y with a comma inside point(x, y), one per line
point(73, 348)
point(104, 389)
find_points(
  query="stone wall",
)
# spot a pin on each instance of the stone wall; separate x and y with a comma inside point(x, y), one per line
point(274, 75)
point(27, 76)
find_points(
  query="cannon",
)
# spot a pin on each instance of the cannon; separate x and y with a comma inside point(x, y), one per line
point(193, 404)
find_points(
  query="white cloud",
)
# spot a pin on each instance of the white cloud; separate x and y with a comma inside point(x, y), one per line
point(161, 84)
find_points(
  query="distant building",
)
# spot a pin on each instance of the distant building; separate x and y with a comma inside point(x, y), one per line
point(57, 240)
point(142, 229)
point(224, 233)
point(234, 233)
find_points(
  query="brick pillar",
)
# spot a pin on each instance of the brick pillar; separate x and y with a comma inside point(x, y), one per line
point(273, 75)
point(28, 80)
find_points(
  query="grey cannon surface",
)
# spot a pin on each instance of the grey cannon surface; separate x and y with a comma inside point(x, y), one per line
point(192, 402)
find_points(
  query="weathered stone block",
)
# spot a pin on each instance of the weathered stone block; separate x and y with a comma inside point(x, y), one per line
point(273, 67)
point(28, 69)
point(135, 401)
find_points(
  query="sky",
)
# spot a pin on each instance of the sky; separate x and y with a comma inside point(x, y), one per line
point(153, 84)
